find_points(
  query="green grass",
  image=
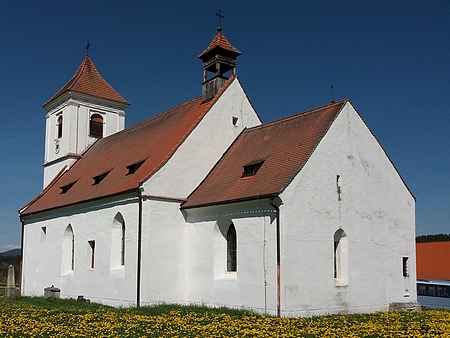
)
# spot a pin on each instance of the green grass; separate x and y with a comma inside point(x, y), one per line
point(51, 317)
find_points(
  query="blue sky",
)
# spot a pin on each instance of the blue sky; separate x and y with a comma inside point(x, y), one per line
point(391, 58)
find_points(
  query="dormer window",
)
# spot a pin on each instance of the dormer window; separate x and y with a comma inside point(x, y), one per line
point(99, 178)
point(66, 188)
point(59, 125)
point(251, 168)
point(96, 126)
point(134, 167)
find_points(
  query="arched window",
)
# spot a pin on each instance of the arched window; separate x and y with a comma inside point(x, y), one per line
point(340, 258)
point(96, 126)
point(117, 242)
point(68, 251)
point(59, 127)
point(231, 249)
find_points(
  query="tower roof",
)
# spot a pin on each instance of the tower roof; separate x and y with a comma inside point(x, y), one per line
point(87, 80)
point(219, 42)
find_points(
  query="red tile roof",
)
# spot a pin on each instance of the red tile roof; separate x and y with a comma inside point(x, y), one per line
point(219, 41)
point(153, 140)
point(432, 260)
point(88, 80)
point(284, 146)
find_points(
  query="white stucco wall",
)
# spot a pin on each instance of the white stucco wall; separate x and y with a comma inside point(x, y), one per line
point(163, 252)
point(373, 207)
point(205, 145)
point(253, 285)
point(42, 252)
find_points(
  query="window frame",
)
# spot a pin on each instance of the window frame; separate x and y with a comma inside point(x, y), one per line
point(96, 126)
point(231, 249)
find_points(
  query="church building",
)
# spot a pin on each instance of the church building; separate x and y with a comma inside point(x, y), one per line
point(205, 204)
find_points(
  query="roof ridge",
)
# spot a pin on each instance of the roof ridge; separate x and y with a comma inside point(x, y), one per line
point(164, 112)
point(296, 115)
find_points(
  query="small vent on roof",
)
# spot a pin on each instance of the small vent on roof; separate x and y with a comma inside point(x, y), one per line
point(99, 178)
point(251, 168)
point(132, 168)
point(66, 188)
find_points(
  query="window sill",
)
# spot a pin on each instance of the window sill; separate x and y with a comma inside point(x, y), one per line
point(228, 276)
point(339, 283)
point(67, 274)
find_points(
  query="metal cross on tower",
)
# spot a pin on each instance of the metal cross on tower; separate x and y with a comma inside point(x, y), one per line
point(87, 48)
point(220, 16)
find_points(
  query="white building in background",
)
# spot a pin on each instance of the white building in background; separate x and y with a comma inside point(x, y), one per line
point(204, 204)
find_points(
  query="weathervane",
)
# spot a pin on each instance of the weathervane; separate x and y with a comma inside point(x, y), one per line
point(219, 28)
point(87, 48)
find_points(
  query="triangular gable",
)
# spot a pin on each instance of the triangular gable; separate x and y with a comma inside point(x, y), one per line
point(143, 148)
point(283, 147)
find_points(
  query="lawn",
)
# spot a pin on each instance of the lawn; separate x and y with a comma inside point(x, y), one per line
point(44, 317)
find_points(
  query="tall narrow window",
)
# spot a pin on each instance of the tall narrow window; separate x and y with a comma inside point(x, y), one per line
point(59, 126)
point(231, 249)
point(405, 266)
point(96, 126)
point(91, 254)
point(340, 258)
point(122, 246)
point(118, 232)
point(68, 251)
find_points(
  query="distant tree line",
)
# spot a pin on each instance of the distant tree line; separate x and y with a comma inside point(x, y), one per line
point(433, 238)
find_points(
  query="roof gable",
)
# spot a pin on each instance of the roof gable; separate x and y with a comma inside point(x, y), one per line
point(151, 142)
point(284, 146)
point(87, 80)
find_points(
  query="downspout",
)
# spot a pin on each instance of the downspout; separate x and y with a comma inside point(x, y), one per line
point(21, 256)
point(139, 248)
point(277, 209)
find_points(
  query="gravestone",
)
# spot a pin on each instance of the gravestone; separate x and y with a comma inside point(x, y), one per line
point(52, 292)
point(11, 289)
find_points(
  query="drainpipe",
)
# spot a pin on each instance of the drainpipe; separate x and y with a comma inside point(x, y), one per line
point(21, 256)
point(277, 209)
point(139, 247)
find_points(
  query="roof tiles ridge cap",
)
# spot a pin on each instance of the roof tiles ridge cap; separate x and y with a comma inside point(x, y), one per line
point(296, 115)
point(158, 115)
point(78, 73)
point(206, 109)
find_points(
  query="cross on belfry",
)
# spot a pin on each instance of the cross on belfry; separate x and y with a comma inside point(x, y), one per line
point(220, 16)
point(87, 47)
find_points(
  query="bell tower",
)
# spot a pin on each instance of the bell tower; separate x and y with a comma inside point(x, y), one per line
point(85, 109)
point(218, 58)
